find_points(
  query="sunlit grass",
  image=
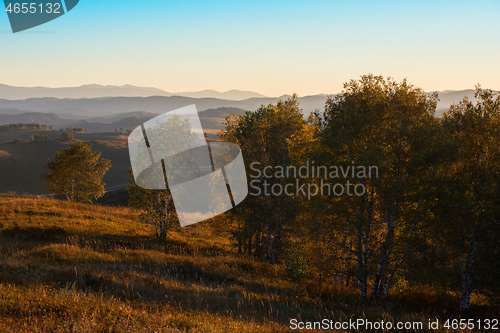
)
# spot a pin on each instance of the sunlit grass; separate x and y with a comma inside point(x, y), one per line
point(68, 267)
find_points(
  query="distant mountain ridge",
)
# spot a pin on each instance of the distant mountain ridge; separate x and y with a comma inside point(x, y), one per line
point(235, 95)
point(85, 108)
point(98, 91)
point(73, 110)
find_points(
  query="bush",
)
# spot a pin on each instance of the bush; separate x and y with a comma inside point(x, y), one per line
point(67, 136)
point(39, 138)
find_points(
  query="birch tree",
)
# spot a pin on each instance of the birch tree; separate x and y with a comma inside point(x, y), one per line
point(157, 207)
point(475, 131)
point(379, 122)
point(264, 137)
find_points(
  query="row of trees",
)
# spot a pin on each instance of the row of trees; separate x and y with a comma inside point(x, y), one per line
point(431, 214)
point(19, 126)
point(76, 129)
point(39, 138)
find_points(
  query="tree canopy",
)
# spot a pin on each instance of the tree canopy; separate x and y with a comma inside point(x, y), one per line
point(76, 173)
point(430, 216)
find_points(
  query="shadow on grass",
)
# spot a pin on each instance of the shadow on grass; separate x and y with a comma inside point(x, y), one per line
point(184, 286)
point(108, 241)
point(51, 234)
point(181, 283)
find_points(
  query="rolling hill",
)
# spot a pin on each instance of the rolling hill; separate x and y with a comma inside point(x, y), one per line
point(70, 267)
point(102, 107)
point(88, 268)
point(107, 123)
point(90, 108)
point(22, 161)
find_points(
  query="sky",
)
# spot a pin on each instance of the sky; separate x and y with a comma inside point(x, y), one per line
point(271, 47)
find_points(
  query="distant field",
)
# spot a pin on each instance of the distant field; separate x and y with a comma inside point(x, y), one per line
point(9, 136)
point(86, 268)
point(22, 163)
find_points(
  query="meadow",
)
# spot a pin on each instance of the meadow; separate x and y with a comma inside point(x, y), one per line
point(74, 267)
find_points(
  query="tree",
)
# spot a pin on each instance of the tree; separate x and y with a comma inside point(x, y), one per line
point(153, 199)
point(157, 206)
point(474, 183)
point(39, 138)
point(265, 137)
point(67, 136)
point(76, 172)
point(382, 123)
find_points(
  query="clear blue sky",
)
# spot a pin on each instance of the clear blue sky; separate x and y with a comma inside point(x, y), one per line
point(272, 47)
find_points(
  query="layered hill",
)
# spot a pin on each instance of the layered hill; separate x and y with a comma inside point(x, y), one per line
point(94, 101)
point(23, 160)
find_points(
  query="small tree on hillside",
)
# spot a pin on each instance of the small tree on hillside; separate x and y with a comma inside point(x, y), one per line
point(76, 172)
point(67, 136)
point(156, 205)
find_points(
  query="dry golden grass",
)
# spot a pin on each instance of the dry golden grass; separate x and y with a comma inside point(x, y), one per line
point(68, 267)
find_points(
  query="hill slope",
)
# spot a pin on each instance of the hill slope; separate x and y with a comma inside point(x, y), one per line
point(86, 268)
point(68, 267)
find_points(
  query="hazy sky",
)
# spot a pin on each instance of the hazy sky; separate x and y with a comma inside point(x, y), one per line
point(272, 47)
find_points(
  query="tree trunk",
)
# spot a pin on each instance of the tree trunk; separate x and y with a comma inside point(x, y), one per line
point(385, 256)
point(382, 266)
point(361, 260)
point(276, 241)
point(268, 230)
point(240, 234)
point(468, 270)
point(362, 239)
point(153, 222)
point(320, 254)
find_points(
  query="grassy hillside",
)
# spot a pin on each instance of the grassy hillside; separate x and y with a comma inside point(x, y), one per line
point(86, 268)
